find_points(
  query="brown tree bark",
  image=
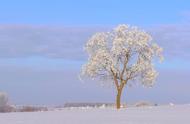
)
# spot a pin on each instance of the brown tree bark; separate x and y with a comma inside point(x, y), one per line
point(118, 99)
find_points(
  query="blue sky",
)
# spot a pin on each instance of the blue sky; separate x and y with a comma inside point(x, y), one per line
point(97, 12)
point(41, 48)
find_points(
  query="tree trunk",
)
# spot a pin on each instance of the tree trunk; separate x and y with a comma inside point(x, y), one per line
point(118, 99)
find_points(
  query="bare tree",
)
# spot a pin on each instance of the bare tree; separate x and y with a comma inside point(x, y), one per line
point(122, 56)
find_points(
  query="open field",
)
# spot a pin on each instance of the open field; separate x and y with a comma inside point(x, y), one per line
point(177, 114)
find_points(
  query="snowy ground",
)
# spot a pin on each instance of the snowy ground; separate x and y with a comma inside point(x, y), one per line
point(179, 114)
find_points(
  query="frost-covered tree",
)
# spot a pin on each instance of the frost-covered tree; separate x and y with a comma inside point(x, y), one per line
point(3, 100)
point(4, 105)
point(122, 56)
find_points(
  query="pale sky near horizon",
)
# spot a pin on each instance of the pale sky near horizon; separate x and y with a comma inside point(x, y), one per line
point(41, 48)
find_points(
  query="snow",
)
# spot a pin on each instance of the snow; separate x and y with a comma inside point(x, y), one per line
point(175, 114)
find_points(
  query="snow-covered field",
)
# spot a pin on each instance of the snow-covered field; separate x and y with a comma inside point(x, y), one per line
point(179, 114)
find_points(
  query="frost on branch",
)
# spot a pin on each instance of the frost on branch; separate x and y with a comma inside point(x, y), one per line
point(126, 53)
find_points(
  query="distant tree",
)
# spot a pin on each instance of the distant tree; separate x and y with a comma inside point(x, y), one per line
point(122, 56)
point(3, 99)
point(4, 103)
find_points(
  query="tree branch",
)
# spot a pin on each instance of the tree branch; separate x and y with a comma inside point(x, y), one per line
point(115, 79)
point(124, 66)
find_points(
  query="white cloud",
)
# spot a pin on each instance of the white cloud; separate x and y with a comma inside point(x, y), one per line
point(48, 41)
point(175, 39)
point(68, 42)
